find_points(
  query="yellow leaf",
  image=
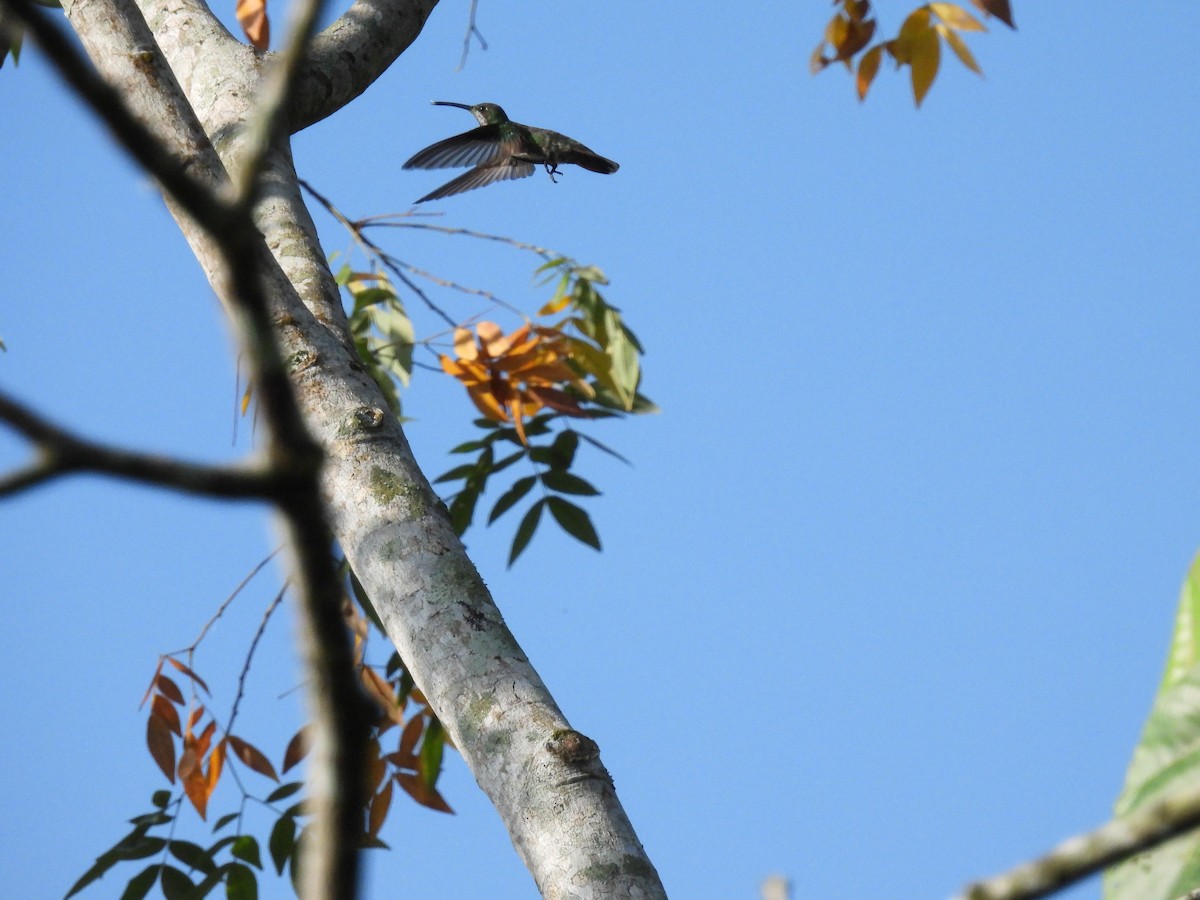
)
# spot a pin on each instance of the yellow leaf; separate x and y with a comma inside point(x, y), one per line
point(252, 15)
point(925, 58)
point(956, 17)
point(559, 303)
point(868, 66)
point(959, 46)
point(914, 29)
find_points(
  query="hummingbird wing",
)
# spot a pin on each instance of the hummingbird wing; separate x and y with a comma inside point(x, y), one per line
point(477, 147)
point(481, 177)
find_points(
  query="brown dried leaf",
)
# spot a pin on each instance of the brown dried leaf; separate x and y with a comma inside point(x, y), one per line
point(180, 667)
point(416, 788)
point(998, 8)
point(194, 717)
point(205, 738)
point(153, 684)
point(252, 757)
point(380, 803)
point(382, 693)
point(297, 749)
point(161, 745)
point(410, 736)
point(165, 710)
point(252, 15)
point(169, 689)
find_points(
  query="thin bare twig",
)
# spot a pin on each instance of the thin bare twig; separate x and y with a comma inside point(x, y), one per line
point(262, 627)
point(471, 30)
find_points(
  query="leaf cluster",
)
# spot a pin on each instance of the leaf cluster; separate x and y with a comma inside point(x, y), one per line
point(917, 45)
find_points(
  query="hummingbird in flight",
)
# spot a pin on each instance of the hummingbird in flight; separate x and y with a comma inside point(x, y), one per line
point(502, 150)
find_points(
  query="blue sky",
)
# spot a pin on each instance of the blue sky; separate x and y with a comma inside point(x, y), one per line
point(885, 596)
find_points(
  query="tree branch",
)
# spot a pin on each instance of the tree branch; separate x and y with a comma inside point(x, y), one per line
point(62, 453)
point(347, 57)
point(1088, 853)
point(115, 33)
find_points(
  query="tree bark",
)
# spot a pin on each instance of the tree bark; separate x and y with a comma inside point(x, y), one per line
point(545, 779)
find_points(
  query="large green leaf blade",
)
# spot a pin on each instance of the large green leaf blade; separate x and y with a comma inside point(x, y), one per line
point(1166, 762)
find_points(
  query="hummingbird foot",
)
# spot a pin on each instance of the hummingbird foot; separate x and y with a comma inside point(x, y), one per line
point(552, 170)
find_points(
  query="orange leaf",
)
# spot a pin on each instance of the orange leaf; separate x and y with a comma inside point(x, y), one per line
point(379, 809)
point(163, 709)
point(252, 15)
point(205, 738)
point(194, 717)
point(169, 688)
point(297, 749)
point(180, 667)
point(216, 762)
point(161, 746)
point(252, 757)
point(195, 784)
point(415, 787)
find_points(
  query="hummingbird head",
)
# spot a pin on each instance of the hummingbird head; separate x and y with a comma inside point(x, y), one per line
point(484, 113)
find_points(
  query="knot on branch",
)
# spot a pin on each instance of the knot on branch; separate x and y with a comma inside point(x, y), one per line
point(572, 747)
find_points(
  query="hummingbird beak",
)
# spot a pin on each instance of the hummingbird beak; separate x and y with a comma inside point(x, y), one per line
point(450, 103)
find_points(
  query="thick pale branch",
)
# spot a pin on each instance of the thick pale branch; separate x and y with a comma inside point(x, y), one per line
point(265, 125)
point(62, 453)
point(1089, 853)
point(347, 57)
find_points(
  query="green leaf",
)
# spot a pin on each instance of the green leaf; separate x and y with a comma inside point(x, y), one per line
point(246, 848)
point(470, 446)
point(566, 483)
point(139, 847)
point(574, 521)
point(140, 884)
point(511, 497)
point(525, 530)
point(240, 883)
point(282, 842)
point(176, 885)
point(103, 863)
point(507, 461)
point(284, 791)
point(464, 471)
point(223, 821)
point(462, 510)
point(1166, 762)
point(150, 819)
point(432, 746)
point(192, 855)
point(604, 448)
point(161, 799)
point(564, 448)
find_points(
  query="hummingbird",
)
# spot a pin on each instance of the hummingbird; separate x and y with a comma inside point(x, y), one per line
point(501, 150)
